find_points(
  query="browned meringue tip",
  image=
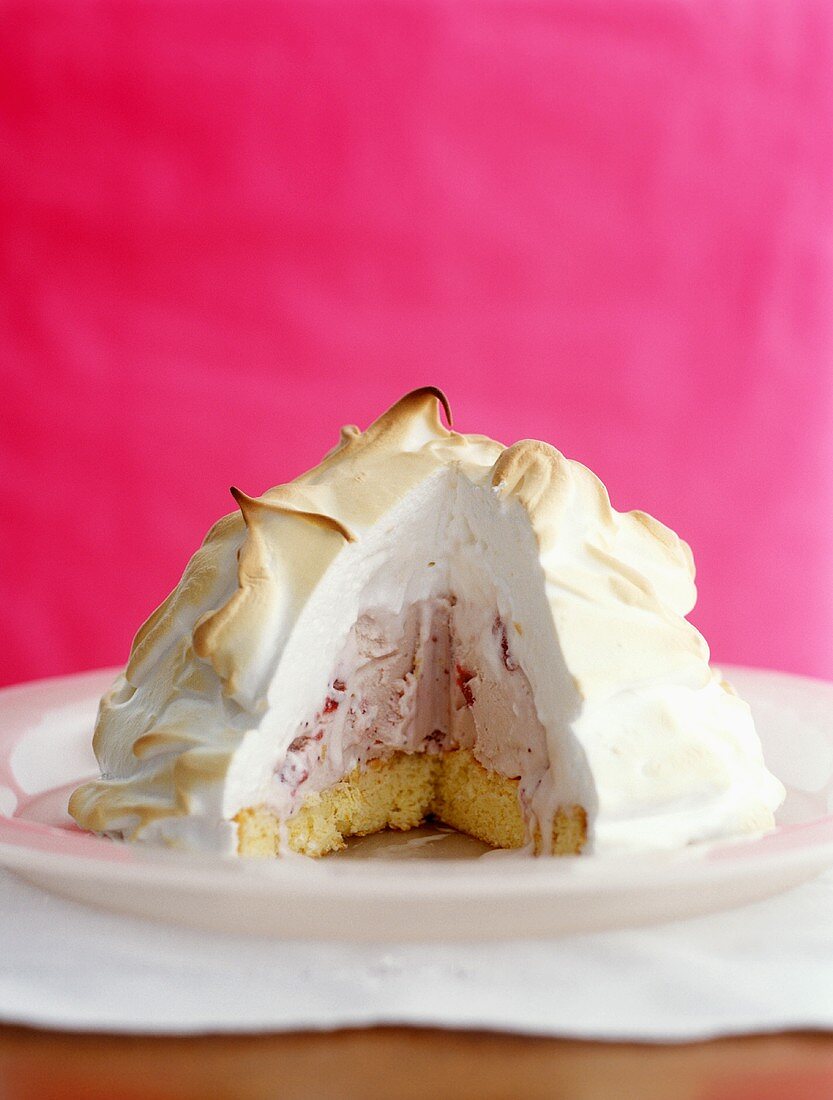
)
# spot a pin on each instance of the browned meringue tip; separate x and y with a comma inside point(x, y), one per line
point(250, 506)
point(426, 391)
point(443, 400)
point(528, 469)
point(243, 501)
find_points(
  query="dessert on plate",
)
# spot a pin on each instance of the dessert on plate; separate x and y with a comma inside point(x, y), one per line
point(428, 624)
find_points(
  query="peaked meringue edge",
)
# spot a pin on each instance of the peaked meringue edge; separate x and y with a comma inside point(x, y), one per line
point(649, 738)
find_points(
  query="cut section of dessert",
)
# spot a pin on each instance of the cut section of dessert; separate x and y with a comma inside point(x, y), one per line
point(428, 624)
point(429, 713)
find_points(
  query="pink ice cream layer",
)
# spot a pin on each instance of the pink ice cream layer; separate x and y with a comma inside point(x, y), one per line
point(439, 676)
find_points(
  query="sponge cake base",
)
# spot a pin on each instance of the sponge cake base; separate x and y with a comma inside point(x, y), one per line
point(400, 792)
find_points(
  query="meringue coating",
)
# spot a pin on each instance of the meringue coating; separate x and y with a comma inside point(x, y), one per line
point(639, 729)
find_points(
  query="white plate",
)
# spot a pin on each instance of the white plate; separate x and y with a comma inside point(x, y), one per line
point(422, 885)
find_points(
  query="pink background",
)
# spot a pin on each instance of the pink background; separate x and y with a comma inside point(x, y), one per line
point(227, 229)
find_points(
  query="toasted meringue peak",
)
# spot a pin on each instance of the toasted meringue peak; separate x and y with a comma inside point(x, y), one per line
point(249, 506)
point(220, 678)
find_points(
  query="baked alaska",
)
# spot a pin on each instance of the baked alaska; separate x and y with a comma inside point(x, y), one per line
point(428, 624)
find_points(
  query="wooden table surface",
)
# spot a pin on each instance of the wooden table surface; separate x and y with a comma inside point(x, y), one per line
point(401, 1063)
